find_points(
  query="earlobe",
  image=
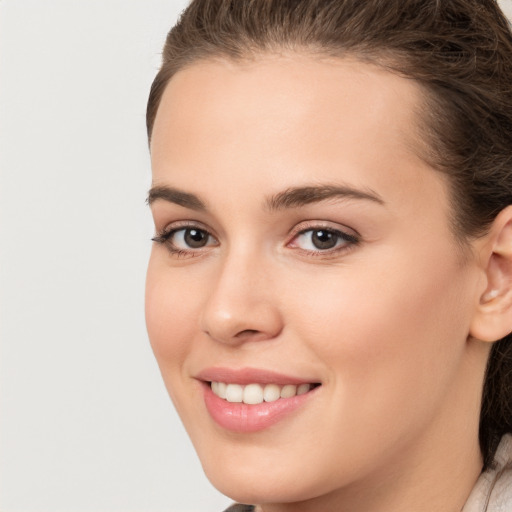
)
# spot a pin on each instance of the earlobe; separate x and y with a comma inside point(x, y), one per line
point(493, 318)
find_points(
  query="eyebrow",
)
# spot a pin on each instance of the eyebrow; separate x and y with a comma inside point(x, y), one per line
point(176, 196)
point(295, 197)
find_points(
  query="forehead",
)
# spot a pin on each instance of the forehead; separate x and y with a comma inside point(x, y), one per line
point(288, 88)
point(282, 118)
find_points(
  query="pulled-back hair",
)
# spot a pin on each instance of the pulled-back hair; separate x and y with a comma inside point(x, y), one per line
point(458, 51)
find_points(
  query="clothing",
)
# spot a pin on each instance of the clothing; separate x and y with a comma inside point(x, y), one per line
point(492, 492)
point(240, 508)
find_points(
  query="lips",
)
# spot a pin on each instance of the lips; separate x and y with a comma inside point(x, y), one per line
point(249, 400)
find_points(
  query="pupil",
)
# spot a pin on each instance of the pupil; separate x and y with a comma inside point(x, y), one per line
point(195, 238)
point(324, 239)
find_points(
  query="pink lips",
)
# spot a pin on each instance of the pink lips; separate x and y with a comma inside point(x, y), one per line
point(244, 418)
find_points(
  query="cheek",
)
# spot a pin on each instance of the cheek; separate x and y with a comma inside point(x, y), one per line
point(172, 315)
point(394, 331)
point(170, 318)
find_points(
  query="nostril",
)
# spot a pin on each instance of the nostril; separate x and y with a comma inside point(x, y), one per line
point(246, 332)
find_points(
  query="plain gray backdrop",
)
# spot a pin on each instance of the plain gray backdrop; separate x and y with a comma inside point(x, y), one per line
point(86, 424)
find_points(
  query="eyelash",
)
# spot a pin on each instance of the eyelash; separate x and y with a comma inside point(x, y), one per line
point(165, 238)
point(349, 240)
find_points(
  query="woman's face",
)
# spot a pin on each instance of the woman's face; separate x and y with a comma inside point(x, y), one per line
point(304, 248)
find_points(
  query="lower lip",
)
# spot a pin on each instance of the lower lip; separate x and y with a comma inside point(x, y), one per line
point(244, 418)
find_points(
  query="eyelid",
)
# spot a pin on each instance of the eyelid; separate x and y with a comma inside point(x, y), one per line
point(184, 224)
point(164, 237)
point(351, 237)
point(322, 224)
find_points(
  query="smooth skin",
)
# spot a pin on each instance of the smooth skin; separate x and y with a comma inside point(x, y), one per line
point(385, 319)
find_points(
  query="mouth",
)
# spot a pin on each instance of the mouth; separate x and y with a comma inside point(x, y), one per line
point(249, 400)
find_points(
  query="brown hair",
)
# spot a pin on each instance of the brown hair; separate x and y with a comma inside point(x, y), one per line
point(459, 51)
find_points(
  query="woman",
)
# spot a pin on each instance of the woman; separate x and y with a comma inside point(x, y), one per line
point(329, 295)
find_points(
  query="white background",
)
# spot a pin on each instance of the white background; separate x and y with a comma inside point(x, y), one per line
point(86, 425)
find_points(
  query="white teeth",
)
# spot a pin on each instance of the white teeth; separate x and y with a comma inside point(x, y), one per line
point(221, 389)
point(253, 394)
point(257, 393)
point(234, 393)
point(271, 393)
point(288, 391)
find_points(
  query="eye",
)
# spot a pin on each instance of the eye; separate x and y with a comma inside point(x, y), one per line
point(190, 238)
point(186, 240)
point(323, 240)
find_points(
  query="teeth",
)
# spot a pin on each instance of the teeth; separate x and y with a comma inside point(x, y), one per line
point(253, 394)
point(234, 393)
point(288, 391)
point(221, 389)
point(271, 393)
point(303, 389)
point(257, 393)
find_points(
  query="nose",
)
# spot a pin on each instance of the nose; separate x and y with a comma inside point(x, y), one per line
point(242, 305)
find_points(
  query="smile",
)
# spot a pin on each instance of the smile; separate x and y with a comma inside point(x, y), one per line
point(253, 394)
point(249, 400)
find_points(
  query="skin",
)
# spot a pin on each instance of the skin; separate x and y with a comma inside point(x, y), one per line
point(383, 324)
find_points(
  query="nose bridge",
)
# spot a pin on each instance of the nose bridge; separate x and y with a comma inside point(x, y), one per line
point(241, 304)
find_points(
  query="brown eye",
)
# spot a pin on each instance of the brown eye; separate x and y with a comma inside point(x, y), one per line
point(195, 238)
point(185, 240)
point(323, 239)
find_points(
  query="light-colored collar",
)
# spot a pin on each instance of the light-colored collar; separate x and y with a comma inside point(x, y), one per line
point(493, 490)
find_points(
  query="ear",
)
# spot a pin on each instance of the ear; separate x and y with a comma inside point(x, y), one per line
point(493, 318)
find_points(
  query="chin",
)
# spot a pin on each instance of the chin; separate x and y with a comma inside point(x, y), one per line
point(251, 489)
point(266, 482)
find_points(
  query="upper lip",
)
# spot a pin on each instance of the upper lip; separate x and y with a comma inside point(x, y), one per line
point(249, 376)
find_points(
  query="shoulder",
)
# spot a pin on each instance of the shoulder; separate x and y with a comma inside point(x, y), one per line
point(493, 490)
